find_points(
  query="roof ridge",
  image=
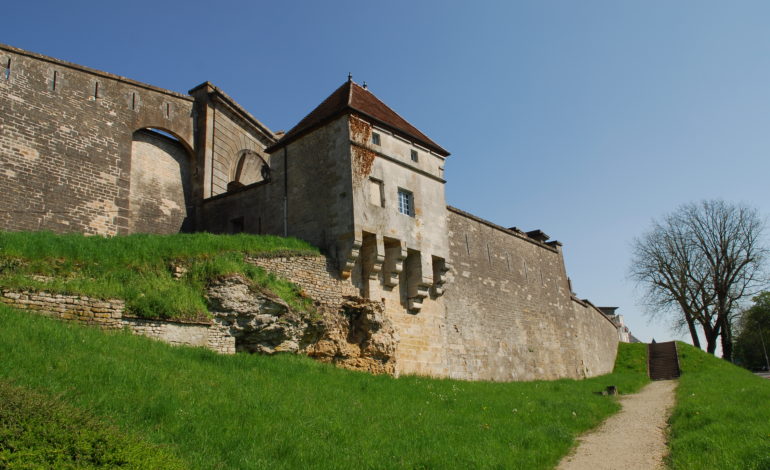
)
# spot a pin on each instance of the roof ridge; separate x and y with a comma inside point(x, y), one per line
point(404, 127)
point(391, 109)
point(353, 99)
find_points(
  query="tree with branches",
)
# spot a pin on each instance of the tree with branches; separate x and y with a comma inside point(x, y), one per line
point(698, 263)
point(753, 339)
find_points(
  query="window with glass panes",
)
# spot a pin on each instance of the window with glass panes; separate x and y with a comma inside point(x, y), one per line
point(405, 202)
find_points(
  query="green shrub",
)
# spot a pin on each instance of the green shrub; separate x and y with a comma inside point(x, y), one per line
point(37, 431)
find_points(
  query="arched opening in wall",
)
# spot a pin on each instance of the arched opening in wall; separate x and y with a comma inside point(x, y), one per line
point(160, 194)
point(249, 168)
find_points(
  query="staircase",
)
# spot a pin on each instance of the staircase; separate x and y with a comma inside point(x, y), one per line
point(662, 361)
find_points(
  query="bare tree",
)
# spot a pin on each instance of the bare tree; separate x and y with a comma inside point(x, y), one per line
point(698, 263)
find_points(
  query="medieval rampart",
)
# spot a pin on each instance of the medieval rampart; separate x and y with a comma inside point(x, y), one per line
point(492, 323)
point(66, 144)
point(90, 152)
point(510, 315)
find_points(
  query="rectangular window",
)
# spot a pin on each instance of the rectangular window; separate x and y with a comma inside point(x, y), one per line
point(375, 138)
point(406, 202)
point(376, 192)
point(414, 155)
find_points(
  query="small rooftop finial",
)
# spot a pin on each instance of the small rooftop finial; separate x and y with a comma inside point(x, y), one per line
point(350, 77)
point(364, 85)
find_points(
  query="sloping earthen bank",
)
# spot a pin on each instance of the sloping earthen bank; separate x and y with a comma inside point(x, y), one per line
point(342, 329)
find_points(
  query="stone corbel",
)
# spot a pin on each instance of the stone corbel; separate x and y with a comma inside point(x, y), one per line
point(440, 270)
point(348, 253)
point(420, 279)
point(378, 258)
point(394, 263)
point(417, 296)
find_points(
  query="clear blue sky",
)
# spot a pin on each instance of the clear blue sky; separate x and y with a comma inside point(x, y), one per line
point(585, 119)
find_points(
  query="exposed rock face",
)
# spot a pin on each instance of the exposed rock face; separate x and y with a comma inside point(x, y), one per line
point(359, 336)
point(259, 320)
point(356, 336)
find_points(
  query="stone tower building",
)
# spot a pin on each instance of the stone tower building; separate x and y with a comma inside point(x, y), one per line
point(87, 151)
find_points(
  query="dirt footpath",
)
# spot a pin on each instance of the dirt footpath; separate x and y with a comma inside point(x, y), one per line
point(632, 439)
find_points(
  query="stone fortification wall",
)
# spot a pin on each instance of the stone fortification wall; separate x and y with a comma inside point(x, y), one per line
point(319, 185)
point(510, 313)
point(231, 136)
point(230, 141)
point(597, 345)
point(492, 323)
point(66, 142)
point(257, 208)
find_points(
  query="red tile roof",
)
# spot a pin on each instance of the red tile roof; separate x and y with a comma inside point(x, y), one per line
point(353, 97)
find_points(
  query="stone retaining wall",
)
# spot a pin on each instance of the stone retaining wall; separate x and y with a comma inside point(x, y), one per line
point(109, 314)
point(80, 309)
point(317, 276)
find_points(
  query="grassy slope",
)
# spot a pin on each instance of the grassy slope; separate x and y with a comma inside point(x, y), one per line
point(136, 268)
point(37, 431)
point(248, 411)
point(722, 417)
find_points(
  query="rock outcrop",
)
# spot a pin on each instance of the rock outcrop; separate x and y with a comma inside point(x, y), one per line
point(259, 320)
point(357, 335)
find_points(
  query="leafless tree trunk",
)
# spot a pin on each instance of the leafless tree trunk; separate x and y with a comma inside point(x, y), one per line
point(698, 263)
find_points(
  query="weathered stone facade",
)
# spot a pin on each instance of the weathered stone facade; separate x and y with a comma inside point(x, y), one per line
point(91, 152)
point(66, 141)
point(510, 309)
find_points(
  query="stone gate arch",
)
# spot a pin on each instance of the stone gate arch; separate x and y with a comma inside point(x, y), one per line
point(248, 168)
point(160, 187)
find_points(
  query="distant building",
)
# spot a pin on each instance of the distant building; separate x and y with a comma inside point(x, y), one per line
point(624, 334)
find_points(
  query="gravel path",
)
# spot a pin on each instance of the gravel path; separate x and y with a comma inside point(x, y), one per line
point(632, 439)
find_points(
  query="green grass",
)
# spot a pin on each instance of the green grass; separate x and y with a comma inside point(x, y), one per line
point(38, 431)
point(288, 412)
point(722, 416)
point(137, 268)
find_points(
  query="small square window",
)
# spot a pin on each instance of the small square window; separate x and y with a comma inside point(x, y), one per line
point(406, 202)
point(414, 155)
point(375, 138)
